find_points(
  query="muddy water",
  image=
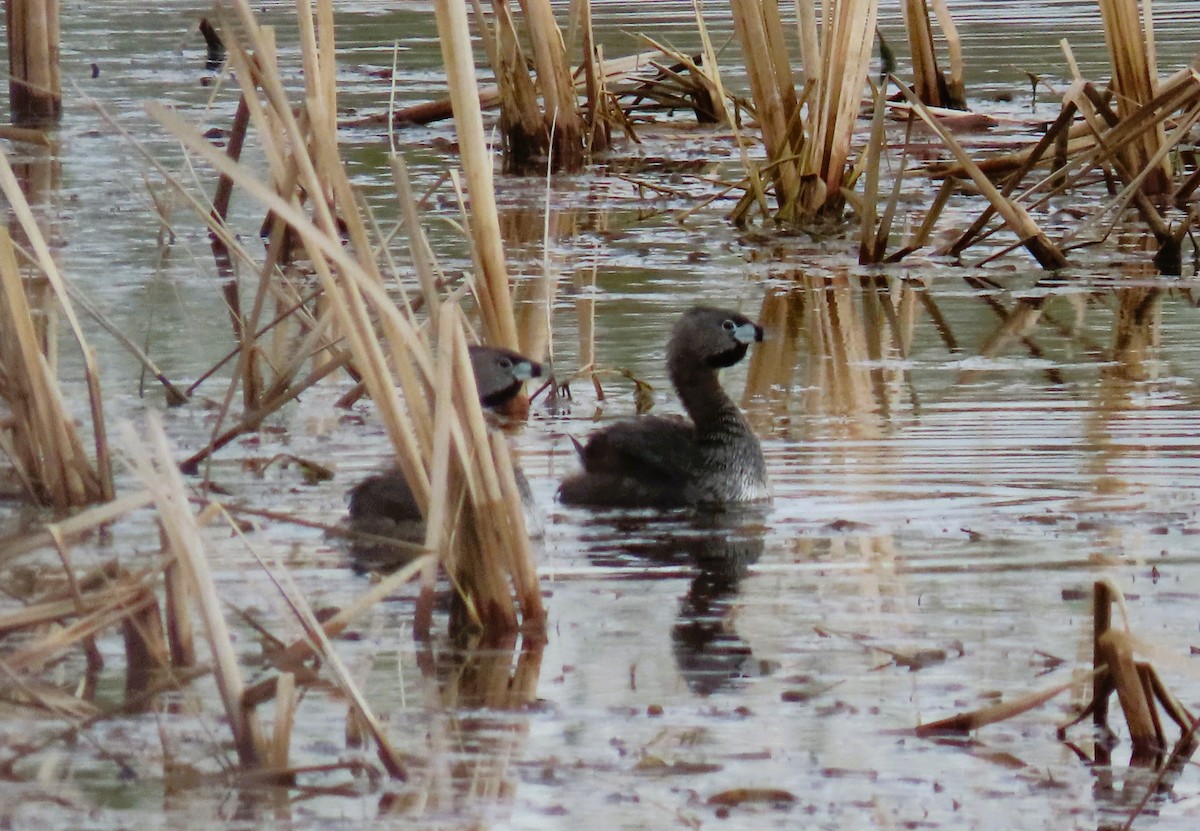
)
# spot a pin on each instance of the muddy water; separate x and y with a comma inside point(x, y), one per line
point(950, 479)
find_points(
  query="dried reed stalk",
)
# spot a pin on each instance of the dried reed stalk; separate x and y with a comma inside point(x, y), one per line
point(49, 646)
point(701, 89)
point(872, 239)
point(292, 657)
point(596, 113)
point(34, 87)
point(774, 99)
point(708, 75)
point(384, 339)
point(846, 42)
point(526, 138)
point(1017, 218)
point(180, 633)
point(329, 657)
point(1134, 82)
point(73, 527)
point(491, 278)
point(30, 617)
point(1113, 657)
point(556, 86)
point(74, 480)
point(966, 722)
point(928, 82)
point(150, 458)
point(956, 86)
point(286, 702)
point(41, 439)
point(146, 649)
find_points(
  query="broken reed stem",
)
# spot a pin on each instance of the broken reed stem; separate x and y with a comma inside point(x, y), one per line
point(556, 86)
point(1043, 250)
point(1117, 654)
point(151, 460)
point(329, 657)
point(522, 127)
point(956, 85)
point(847, 37)
point(927, 77)
point(769, 103)
point(286, 702)
point(301, 650)
point(966, 722)
point(1134, 81)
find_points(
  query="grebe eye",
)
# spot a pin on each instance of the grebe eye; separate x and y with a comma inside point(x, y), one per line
point(505, 363)
point(728, 326)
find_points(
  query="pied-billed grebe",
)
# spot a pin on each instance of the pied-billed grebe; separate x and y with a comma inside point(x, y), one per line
point(384, 505)
point(663, 462)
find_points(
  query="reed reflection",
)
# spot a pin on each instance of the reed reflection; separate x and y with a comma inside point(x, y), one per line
point(1128, 370)
point(832, 346)
point(480, 692)
point(831, 379)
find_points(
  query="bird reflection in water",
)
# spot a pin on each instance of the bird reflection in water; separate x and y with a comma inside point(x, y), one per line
point(721, 547)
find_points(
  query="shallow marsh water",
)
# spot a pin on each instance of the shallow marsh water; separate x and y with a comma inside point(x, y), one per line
point(941, 509)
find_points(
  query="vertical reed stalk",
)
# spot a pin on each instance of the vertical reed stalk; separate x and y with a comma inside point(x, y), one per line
point(556, 85)
point(771, 103)
point(286, 702)
point(599, 130)
point(526, 137)
point(34, 92)
point(847, 37)
point(928, 82)
point(491, 282)
point(810, 43)
point(956, 86)
point(1134, 82)
point(180, 634)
